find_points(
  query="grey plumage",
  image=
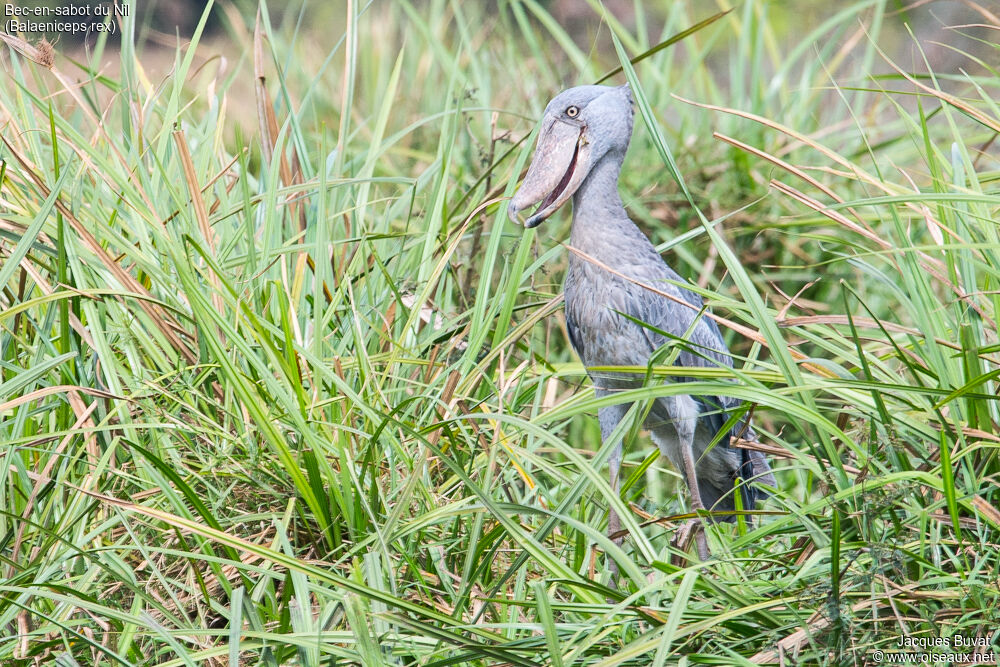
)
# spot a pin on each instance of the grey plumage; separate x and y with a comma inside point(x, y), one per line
point(581, 146)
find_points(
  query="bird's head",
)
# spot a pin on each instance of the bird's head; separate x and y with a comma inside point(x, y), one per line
point(580, 126)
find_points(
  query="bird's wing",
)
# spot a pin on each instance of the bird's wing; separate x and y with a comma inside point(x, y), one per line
point(704, 347)
point(701, 341)
point(575, 339)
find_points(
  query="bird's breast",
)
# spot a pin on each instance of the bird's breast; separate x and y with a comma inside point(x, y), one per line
point(615, 280)
point(598, 307)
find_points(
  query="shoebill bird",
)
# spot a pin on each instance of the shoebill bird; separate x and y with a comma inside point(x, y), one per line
point(581, 146)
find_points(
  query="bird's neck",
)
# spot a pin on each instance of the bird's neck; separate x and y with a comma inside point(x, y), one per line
point(599, 190)
point(597, 208)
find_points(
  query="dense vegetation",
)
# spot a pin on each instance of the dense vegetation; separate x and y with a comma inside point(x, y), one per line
point(282, 385)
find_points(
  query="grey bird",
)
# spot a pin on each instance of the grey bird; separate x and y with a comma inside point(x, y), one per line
point(581, 146)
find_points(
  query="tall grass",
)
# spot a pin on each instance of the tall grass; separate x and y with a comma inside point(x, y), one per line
point(281, 385)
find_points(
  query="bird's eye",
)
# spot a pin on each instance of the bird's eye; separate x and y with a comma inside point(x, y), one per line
point(573, 111)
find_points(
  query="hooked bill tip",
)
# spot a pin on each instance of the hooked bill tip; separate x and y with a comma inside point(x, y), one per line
point(512, 211)
point(534, 221)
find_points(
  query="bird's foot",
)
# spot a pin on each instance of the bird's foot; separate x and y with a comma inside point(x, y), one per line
point(701, 541)
point(691, 529)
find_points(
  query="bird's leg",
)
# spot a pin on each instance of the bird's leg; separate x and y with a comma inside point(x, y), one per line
point(609, 417)
point(685, 425)
point(614, 522)
point(696, 505)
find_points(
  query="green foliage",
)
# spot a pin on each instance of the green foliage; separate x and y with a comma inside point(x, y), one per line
point(282, 385)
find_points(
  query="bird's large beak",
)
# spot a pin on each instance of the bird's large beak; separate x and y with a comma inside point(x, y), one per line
point(558, 167)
